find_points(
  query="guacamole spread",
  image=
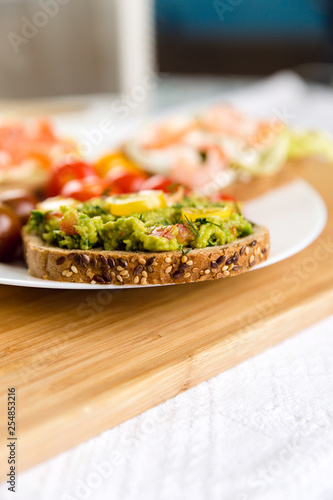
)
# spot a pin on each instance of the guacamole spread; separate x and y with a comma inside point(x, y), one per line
point(142, 222)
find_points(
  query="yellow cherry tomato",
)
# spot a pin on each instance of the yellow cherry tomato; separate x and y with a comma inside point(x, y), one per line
point(136, 203)
point(116, 159)
point(192, 214)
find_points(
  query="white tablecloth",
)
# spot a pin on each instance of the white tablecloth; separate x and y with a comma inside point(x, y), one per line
point(260, 431)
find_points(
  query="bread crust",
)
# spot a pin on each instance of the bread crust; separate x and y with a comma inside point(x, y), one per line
point(133, 268)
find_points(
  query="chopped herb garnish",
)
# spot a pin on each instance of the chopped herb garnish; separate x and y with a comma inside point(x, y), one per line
point(38, 216)
point(185, 252)
point(203, 220)
point(191, 226)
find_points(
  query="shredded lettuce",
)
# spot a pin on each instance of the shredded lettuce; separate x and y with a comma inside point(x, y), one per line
point(265, 161)
point(310, 143)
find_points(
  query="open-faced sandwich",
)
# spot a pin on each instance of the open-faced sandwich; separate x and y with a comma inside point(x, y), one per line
point(142, 238)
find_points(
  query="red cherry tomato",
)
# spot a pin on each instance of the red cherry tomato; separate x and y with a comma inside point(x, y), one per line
point(85, 189)
point(63, 172)
point(123, 181)
point(222, 197)
point(10, 228)
point(159, 182)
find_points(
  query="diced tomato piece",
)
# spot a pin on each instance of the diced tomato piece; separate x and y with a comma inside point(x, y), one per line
point(167, 232)
point(67, 224)
point(179, 231)
point(185, 235)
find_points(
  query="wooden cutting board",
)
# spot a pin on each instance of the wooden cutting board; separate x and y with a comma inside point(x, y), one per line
point(85, 361)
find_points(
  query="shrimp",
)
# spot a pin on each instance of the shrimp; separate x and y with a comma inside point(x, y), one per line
point(230, 122)
point(167, 134)
point(224, 119)
point(194, 171)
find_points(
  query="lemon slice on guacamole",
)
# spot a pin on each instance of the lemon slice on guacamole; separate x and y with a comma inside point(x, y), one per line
point(124, 205)
point(193, 214)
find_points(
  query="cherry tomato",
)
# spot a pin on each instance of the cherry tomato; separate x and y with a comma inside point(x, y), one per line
point(63, 172)
point(123, 181)
point(85, 189)
point(159, 182)
point(10, 237)
point(21, 201)
point(115, 160)
point(222, 197)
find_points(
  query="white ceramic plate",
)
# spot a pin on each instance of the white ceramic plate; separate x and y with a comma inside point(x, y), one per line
point(295, 215)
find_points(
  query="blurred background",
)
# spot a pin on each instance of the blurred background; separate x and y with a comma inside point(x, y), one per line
point(241, 36)
point(66, 47)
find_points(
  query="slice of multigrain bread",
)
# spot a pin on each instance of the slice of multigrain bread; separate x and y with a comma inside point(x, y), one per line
point(134, 268)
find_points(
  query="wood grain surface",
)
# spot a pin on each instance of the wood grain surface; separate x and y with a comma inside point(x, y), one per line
point(85, 361)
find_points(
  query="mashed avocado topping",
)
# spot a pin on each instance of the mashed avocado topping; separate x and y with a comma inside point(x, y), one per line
point(92, 225)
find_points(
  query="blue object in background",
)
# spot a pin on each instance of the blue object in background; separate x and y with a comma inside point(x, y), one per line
point(240, 19)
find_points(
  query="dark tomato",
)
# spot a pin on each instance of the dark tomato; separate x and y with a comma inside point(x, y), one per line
point(123, 181)
point(85, 189)
point(10, 237)
point(62, 173)
point(21, 201)
point(159, 182)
